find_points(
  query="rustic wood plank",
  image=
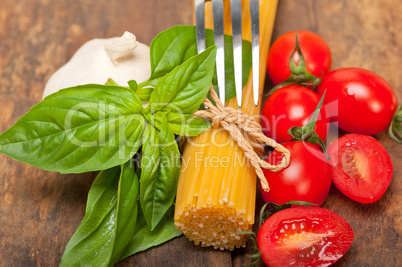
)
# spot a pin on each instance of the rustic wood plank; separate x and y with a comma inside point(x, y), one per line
point(39, 211)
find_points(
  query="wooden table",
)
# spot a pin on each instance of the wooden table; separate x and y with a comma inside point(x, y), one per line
point(39, 211)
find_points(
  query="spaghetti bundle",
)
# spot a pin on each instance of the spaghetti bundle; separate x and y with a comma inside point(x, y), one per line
point(217, 186)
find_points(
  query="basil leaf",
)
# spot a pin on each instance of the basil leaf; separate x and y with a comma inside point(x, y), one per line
point(156, 119)
point(150, 158)
point(109, 221)
point(144, 238)
point(79, 129)
point(133, 85)
point(174, 46)
point(160, 174)
point(110, 81)
point(230, 86)
point(186, 86)
point(127, 209)
point(99, 214)
point(186, 124)
point(171, 48)
point(144, 93)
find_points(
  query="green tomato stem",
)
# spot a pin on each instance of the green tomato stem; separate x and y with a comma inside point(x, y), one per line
point(307, 133)
point(395, 128)
point(299, 74)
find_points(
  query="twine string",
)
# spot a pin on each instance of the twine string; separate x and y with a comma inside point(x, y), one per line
point(239, 125)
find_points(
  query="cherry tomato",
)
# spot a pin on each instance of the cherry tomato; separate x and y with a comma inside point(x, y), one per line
point(358, 100)
point(362, 167)
point(316, 52)
point(307, 178)
point(304, 236)
point(292, 105)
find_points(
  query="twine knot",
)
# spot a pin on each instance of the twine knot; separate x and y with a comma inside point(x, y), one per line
point(246, 132)
point(218, 118)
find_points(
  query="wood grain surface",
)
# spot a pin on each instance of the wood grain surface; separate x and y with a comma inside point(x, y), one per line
point(39, 211)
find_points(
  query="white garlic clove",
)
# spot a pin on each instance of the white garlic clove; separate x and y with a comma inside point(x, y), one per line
point(120, 58)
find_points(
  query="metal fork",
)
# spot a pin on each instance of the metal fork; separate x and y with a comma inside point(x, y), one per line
point(236, 14)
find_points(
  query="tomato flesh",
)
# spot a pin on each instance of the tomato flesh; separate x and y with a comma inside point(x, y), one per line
point(304, 236)
point(307, 178)
point(362, 168)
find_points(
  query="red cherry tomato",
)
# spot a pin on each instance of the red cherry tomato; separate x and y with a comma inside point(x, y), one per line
point(307, 178)
point(362, 167)
point(358, 100)
point(304, 236)
point(315, 50)
point(292, 105)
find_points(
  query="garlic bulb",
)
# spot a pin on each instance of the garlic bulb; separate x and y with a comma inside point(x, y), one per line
point(120, 58)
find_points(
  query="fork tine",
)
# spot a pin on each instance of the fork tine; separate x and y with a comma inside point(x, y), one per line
point(235, 10)
point(236, 14)
point(255, 42)
point(217, 11)
point(199, 8)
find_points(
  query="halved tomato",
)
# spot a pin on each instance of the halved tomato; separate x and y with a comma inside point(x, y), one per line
point(362, 168)
point(304, 236)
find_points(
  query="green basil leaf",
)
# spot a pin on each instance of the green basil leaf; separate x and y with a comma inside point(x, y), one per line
point(186, 86)
point(144, 93)
point(109, 221)
point(230, 86)
point(144, 238)
point(186, 124)
point(159, 176)
point(150, 157)
point(150, 83)
point(156, 119)
point(170, 49)
point(110, 81)
point(127, 209)
point(79, 129)
point(91, 241)
point(133, 85)
point(175, 45)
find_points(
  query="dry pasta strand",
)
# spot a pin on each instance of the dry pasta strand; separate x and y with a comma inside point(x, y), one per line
point(233, 182)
